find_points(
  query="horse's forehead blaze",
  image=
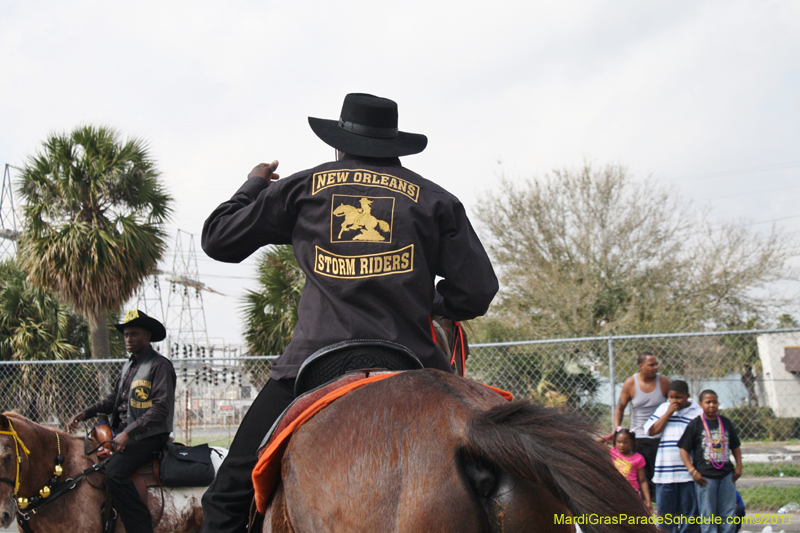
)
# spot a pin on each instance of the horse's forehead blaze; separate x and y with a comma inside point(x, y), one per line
point(7, 462)
point(5, 446)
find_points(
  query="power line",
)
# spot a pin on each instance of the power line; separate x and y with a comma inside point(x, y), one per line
point(751, 193)
point(768, 221)
point(717, 174)
point(228, 277)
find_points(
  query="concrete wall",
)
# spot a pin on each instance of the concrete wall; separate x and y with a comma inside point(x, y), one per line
point(782, 388)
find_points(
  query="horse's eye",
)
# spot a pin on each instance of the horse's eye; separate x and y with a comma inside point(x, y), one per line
point(7, 459)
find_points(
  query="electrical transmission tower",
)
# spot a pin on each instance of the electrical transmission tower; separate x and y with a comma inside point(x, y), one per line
point(186, 319)
point(9, 232)
point(148, 296)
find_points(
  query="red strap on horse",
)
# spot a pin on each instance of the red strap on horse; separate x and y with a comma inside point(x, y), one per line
point(433, 330)
point(459, 341)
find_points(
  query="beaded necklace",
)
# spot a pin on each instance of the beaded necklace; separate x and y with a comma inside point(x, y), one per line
point(44, 492)
point(710, 443)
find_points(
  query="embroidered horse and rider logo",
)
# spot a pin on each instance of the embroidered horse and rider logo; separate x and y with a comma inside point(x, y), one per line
point(363, 218)
point(140, 395)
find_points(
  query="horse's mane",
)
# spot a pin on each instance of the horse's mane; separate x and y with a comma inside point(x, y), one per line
point(556, 448)
point(36, 427)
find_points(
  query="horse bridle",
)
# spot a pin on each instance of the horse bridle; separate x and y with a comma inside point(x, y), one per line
point(62, 488)
point(55, 491)
point(17, 445)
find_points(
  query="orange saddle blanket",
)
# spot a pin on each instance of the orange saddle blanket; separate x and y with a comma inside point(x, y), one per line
point(267, 472)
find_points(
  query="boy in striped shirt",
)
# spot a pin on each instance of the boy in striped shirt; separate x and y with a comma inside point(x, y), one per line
point(675, 495)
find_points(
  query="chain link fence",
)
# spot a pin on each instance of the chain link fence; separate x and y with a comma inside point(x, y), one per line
point(212, 395)
point(756, 375)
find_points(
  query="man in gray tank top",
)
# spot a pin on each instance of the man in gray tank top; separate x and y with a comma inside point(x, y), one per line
point(645, 391)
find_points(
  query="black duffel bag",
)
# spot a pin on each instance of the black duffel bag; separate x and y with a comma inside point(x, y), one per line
point(186, 466)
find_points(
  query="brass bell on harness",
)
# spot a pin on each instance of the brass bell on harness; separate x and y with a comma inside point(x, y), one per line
point(45, 492)
point(58, 470)
point(22, 503)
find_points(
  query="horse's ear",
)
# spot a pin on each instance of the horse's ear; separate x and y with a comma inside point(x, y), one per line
point(4, 425)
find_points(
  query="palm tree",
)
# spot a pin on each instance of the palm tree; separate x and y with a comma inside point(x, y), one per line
point(33, 324)
point(271, 311)
point(93, 218)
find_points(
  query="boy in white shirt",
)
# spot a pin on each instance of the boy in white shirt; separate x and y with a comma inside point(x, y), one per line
point(675, 496)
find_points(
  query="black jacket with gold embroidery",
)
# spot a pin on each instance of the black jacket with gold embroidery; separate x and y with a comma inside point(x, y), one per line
point(142, 402)
point(371, 237)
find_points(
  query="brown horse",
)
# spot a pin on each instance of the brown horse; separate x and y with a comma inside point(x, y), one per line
point(78, 510)
point(429, 451)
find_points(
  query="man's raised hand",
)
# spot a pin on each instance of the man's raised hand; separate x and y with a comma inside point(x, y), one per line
point(265, 171)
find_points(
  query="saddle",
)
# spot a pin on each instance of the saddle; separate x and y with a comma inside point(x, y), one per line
point(335, 360)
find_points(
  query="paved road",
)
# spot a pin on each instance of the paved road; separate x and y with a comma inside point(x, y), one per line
point(770, 453)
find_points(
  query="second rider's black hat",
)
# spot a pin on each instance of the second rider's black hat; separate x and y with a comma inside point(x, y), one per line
point(368, 127)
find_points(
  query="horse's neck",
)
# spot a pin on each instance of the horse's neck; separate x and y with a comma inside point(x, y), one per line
point(43, 444)
point(79, 510)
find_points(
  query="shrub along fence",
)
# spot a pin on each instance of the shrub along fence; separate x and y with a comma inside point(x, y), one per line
point(755, 374)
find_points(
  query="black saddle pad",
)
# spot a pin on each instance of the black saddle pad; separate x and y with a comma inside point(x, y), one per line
point(337, 360)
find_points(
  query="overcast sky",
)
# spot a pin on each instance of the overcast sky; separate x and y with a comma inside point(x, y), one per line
point(703, 95)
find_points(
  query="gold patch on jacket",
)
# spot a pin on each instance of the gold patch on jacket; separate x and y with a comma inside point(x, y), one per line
point(140, 397)
point(361, 218)
point(364, 266)
point(335, 178)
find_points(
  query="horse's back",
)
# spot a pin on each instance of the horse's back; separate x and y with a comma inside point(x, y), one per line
point(388, 461)
point(428, 451)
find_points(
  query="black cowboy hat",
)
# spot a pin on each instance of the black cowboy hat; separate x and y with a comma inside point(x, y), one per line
point(368, 127)
point(138, 319)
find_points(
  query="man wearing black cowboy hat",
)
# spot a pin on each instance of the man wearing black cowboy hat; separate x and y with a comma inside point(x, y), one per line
point(371, 237)
point(141, 406)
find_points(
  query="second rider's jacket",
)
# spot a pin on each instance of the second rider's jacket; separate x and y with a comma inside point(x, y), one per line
point(142, 402)
point(371, 237)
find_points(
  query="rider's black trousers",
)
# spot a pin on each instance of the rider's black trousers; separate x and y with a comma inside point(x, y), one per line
point(226, 503)
point(131, 509)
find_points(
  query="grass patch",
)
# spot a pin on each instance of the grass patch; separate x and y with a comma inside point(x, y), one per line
point(768, 498)
point(221, 442)
point(771, 470)
point(772, 442)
